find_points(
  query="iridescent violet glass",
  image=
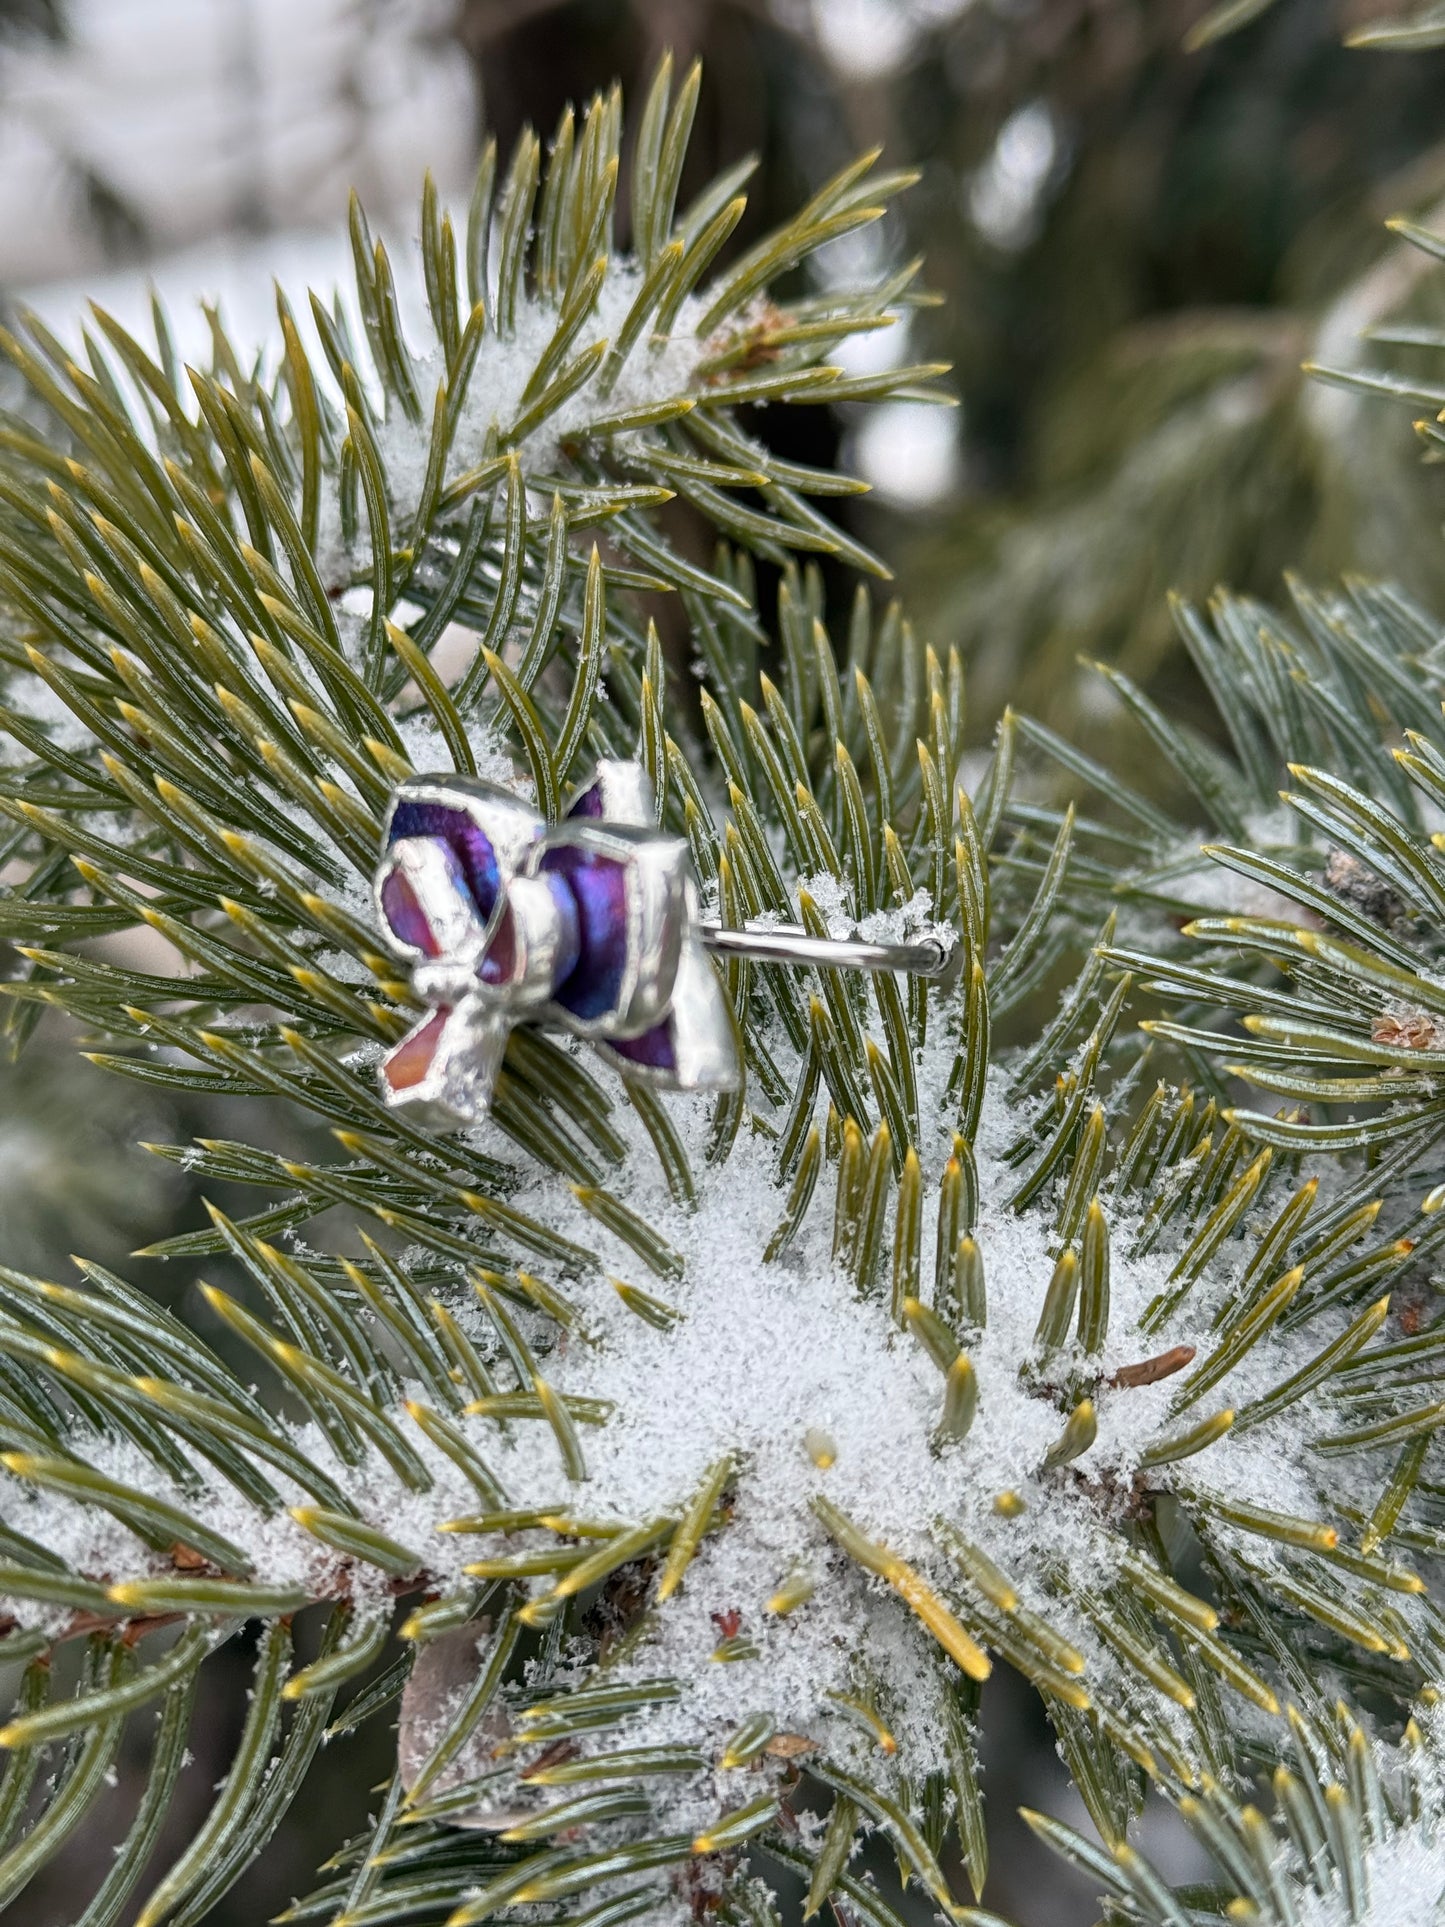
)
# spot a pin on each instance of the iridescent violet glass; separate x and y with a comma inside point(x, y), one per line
point(590, 926)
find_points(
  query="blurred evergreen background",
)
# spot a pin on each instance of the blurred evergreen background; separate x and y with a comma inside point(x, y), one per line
point(1137, 246)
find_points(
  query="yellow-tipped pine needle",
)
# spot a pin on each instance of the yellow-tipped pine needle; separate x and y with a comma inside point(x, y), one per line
point(795, 1591)
point(694, 1524)
point(867, 1715)
point(1080, 1430)
point(617, 1551)
point(737, 1826)
point(960, 1398)
point(1184, 1444)
point(911, 1588)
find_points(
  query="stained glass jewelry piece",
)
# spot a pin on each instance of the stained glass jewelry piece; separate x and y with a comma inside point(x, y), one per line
point(590, 926)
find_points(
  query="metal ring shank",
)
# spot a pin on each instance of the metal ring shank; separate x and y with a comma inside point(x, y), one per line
point(789, 943)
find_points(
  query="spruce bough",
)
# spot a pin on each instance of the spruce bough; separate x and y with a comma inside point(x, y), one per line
point(672, 1473)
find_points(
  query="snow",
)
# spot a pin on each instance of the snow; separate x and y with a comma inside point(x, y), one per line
point(427, 750)
point(658, 368)
point(31, 697)
point(1402, 1855)
point(761, 1356)
point(761, 1360)
point(1405, 1880)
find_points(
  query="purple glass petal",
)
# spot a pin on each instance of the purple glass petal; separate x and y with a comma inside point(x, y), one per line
point(569, 935)
point(599, 886)
point(472, 848)
point(654, 1048)
point(589, 803)
point(406, 916)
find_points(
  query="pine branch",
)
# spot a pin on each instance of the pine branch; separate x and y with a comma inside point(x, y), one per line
point(1415, 30)
point(1352, 1838)
point(934, 1338)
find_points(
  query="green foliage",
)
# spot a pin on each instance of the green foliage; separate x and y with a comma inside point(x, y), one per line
point(210, 691)
point(1128, 1377)
point(1320, 904)
point(1136, 418)
point(1408, 32)
point(1354, 1826)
